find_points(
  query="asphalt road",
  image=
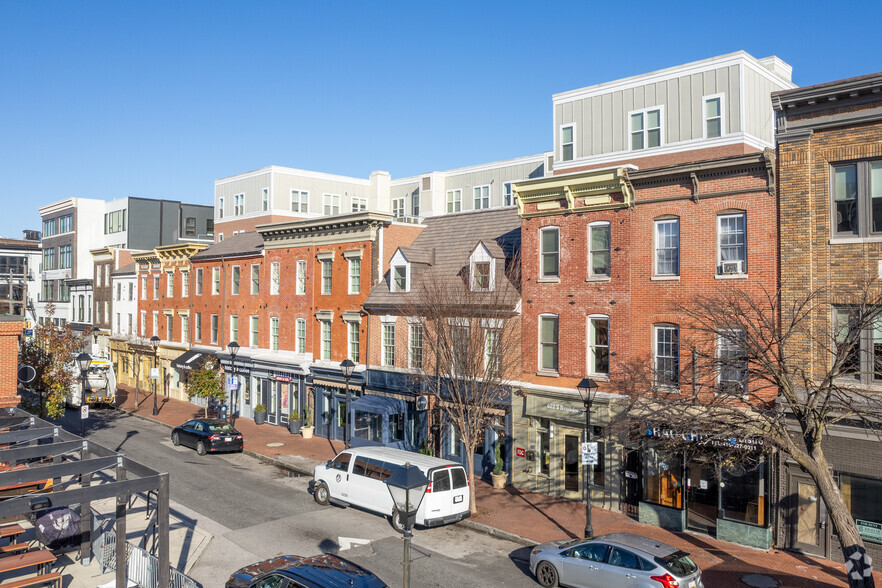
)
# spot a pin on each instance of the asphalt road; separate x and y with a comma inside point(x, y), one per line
point(255, 511)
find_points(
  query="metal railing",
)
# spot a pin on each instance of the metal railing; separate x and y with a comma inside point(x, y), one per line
point(142, 568)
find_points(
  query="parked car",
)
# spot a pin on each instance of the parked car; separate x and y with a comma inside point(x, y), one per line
point(624, 560)
point(208, 435)
point(292, 571)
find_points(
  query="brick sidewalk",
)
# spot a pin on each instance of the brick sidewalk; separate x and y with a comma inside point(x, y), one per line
point(534, 516)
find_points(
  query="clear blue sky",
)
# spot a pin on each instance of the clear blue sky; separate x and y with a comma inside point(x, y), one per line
point(106, 99)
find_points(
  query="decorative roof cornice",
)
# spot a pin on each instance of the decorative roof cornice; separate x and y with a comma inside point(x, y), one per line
point(358, 226)
point(587, 191)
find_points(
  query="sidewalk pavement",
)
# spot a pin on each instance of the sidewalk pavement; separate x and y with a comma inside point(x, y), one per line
point(529, 517)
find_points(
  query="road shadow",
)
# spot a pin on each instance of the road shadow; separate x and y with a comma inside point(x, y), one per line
point(518, 494)
point(520, 557)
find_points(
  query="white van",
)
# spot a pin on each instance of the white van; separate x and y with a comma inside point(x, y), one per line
point(357, 477)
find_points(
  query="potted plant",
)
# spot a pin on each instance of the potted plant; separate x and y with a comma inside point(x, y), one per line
point(294, 422)
point(499, 476)
point(259, 414)
point(307, 429)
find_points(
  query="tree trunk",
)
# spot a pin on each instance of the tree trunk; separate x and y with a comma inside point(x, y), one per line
point(470, 456)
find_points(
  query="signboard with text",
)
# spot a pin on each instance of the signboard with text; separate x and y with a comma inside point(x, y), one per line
point(589, 453)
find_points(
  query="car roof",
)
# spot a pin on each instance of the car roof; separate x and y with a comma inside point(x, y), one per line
point(331, 571)
point(646, 544)
point(391, 454)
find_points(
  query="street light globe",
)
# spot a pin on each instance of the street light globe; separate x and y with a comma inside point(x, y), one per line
point(83, 361)
point(154, 340)
point(233, 348)
point(346, 366)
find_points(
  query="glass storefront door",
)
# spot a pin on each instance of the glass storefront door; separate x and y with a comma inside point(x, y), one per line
point(571, 464)
point(272, 407)
point(702, 496)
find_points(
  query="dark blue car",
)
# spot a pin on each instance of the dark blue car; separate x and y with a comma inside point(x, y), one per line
point(208, 435)
point(292, 571)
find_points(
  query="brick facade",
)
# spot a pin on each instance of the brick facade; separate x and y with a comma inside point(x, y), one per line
point(10, 330)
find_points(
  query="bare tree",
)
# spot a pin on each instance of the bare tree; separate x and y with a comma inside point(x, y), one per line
point(471, 348)
point(778, 371)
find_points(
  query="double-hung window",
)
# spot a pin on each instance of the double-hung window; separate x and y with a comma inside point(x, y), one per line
point(197, 326)
point(598, 344)
point(199, 273)
point(454, 200)
point(238, 204)
point(327, 275)
point(275, 277)
point(143, 287)
point(235, 278)
point(234, 328)
point(326, 339)
point(215, 280)
point(185, 329)
point(732, 238)
point(493, 352)
point(185, 284)
point(155, 320)
point(143, 323)
point(301, 276)
point(549, 252)
point(415, 203)
point(354, 275)
point(254, 339)
point(65, 256)
point(857, 199)
point(598, 250)
point(507, 198)
point(398, 207)
point(330, 204)
point(214, 329)
point(399, 278)
point(169, 327)
point(220, 207)
point(389, 344)
point(255, 279)
point(274, 333)
point(300, 335)
point(170, 284)
point(299, 201)
point(646, 129)
point(667, 247)
point(859, 343)
point(732, 361)
point(713, 117)
point(666, 355)
point(155, 287)
point(567, 145)
point(353, 328)
point(548, 341)
point(482, 197)
point(264, 199)
point(358, 204)
point(416, 345)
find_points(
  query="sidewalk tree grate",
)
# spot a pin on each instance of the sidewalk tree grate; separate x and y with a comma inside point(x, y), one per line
point(760, 581)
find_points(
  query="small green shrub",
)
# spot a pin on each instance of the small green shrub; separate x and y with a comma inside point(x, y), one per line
point(260, 408)
point(497, 469)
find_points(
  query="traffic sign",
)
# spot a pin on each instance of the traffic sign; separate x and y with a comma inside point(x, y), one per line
point(84, 411)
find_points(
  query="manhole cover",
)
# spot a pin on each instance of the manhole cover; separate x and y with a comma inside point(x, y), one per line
point(275, 444)
point(759, 581)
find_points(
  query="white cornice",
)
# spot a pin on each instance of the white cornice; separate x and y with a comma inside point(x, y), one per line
point(290, 171)
point(474, 168)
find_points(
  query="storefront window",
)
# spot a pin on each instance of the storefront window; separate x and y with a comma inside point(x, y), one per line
point(544, 448)
point(743, 493)
point(396, 427)
point(663, 478)
point(862, 497)
point(369, 426)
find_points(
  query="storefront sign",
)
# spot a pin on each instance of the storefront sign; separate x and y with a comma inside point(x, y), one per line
point(281, 378)
point(520, 452)
point(869, 530)
point(715, 440)
point(563, 408)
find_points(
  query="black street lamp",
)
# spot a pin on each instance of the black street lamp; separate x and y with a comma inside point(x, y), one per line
point(407, 485)
point(84, 360)
point(588, 390)
point(346, 366)
point(154, 340)
point(233, 348)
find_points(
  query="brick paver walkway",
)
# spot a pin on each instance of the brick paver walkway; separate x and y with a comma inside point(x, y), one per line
point(539, 517)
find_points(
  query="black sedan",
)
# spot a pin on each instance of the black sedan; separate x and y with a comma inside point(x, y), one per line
point(292, 571)
point(206, 435)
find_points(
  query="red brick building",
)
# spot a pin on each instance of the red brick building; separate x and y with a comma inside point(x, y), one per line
point(10, 330)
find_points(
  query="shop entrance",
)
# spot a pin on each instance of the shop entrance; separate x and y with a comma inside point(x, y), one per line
point(809, 525)
point(631, 489)
point(571, 465)
point(702, 496)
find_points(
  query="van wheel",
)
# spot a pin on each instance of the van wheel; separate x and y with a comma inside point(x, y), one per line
point(397, 521)
point(546, 575)
point(321, 494)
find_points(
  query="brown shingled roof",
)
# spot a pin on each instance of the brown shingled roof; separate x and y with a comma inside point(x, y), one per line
point(241, 245)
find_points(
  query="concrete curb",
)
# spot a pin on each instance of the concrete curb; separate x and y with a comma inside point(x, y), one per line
point(498, 533)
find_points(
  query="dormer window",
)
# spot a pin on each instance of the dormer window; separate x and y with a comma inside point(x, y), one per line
point(399, 278)
point(481, 266)
point(482, 276)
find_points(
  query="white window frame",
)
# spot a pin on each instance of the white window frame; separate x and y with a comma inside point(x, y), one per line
point(726, 341)
point(238, 204)
point(354, 276)
point(234, 327)
point(169, 327)
point(255, 279)
point(353, 340)
point(327, 280)
point(253, 330)
point(358, 204)
point(412, 329)
point(299, 201)
point(742, 262)
point(275, 277)
point(492, 333)
point(645, 130)
point(300, 335)
point(301, 276)
point(398, 210)
point(656, 223)
point(388, 347)
point(591, 346)
point(274, 333)
point(481, 196)
point(264, 199)
point(220, 207)
point(185, 284)
point(454, 200)
point(591, 227)
point(143, 323)
point(213, 327)
point(155, 322)
point(155, 286)
point(705, 118)
point(326, 342)
point(330, 204)
point(169, 284)
point(215, 281)
point(197, 326)
point(393, 285)
point(143, 287)
point(543, 253)
point(656, 329)
point(415, 204)
point(185, 328)
point(507, 194)
point(542, 317)
point(572, 143)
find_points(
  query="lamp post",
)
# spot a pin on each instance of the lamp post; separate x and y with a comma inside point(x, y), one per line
point(154, 340)
point(588, 390)
point(346, 366)
point(83, 362)
point(407, 485)
point(233, 348)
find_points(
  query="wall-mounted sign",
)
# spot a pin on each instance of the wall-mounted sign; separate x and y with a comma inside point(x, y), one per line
point(422, 403)
point(520, 452)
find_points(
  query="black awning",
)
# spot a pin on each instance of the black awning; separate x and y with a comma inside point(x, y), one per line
point(189, 360)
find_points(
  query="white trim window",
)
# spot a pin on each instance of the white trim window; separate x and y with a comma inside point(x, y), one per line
point(454, 200)
point(155, 322)
point(275, 277)
point(156, 287)
point(493, 352)
point(401, 278)
point(299, 201)
point(238, 204)
point(235, 278)
point(358, 204)
point(507, 197)
point(731, 361)
point(326, 339)
point(143, 323)
point(234, 327)
point(388, 344)
point(598, 344)
point(398, 207)
point(354, 275)
point(301, 276)
point(415, 203)
point(415, 346)
point(548, 342)
point(185, 285)
point(327, 275)
point(482, 197)
point(254, 331)
point(330, 204)
point(185, 328)
point(713, 116)
point(732, 243)
point(666, 355)
point(549, 252)
point(567, 142)
point(667, 247)
point(861, 338)
point(255, 279)
point(353, 343)
point(264, 199)
point(199, 274)
point(143, 287)
point(274, 333)
point(197, 326)
point(300, 335)
point(599, 249)
point(646, 128)
point(220, 207)
point(215, 280)
point(214, 329)
point(169, 327)
point(481, 270)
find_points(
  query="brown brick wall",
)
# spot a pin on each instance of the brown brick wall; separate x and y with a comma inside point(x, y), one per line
point(9, 332)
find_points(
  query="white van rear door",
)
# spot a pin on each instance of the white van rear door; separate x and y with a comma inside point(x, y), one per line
point(459, 489)
point(439, 502)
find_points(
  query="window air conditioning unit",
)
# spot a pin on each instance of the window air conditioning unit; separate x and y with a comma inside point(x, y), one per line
point(733, 267)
